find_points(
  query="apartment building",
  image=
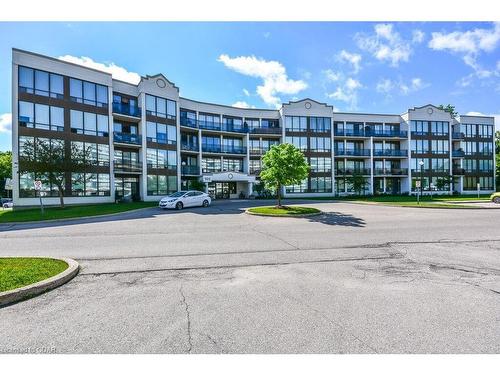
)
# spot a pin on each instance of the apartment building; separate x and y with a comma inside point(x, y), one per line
point(146, 141)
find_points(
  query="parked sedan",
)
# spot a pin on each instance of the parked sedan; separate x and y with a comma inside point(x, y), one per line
point(495, 197)
point(7, 203)
point(181, 199)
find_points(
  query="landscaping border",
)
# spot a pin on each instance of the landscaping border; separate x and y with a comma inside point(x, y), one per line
point(276, 215)
point(15, 295)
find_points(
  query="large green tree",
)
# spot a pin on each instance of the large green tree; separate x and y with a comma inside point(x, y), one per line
point(5, 169)
point(283, 165)
point(52, 163)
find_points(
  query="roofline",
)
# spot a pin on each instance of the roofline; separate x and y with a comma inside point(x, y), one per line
point(230, 106)
point(61, 61)
point(481, 116)
point(290, 102)
point(367, 113)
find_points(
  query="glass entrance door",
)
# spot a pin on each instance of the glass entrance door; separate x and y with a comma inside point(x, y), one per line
point(221, 190)
point(127, 188)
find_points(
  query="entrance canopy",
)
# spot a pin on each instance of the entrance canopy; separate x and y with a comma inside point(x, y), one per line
point(228, 177)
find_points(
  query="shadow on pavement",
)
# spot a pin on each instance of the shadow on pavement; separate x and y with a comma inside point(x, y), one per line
point(339, 219)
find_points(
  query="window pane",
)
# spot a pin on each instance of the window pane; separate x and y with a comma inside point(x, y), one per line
point(89, 123)
point(151, 131)
point(56, 84)
point(41, 116)
point(171, 108)
point(90, 184)
point(26, 114)
point(104, 184)
point(76, 120)
point(102, 94)
point(103, 154)
point(26, 78)
point(102, 125)
point(150, 103)
point(41, 83)
point(172, 133)
point(75, 89)
point(161, 107)
point(89, 93)
point(152, 184)
point(57, 118)
point(172, 158)
point(162, 185)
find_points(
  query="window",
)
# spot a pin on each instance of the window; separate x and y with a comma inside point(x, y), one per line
point(299, 142)
point(296, 124)
point(415, 166)
point(319, 124)
point(232, 123)
point(267, 123)
point(321, 184)
point(161, 185)
point(339, 185)
point(209, 121)
point(254, 165)
point(90, 184)
point(88, 123)
point(439, 128)
point(88, 93)
point(42, 83)
point(440, 165)
point(419, 146)
point(95, 154)
point(485, 131)
point(419, 127)
point(320, 165)
point(210, 165)
point(469, 130)
point(161, 158)
point(26, 80)
point(440, 146)
point(161, 133)
point(301, 188)
point(160, 107)
point(320, 144)
point(41, 116)
point(27, 190)
point(234, 165)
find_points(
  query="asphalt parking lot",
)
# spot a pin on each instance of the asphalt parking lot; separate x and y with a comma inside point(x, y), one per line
point(357, 279)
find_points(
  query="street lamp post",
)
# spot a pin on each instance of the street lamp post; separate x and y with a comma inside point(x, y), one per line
point(421, 164)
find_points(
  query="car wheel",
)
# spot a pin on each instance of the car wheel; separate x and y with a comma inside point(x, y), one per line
point(205, 203)
point(496, 200)
point(179, 206)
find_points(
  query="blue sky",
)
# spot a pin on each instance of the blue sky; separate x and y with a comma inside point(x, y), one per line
point(355, 66)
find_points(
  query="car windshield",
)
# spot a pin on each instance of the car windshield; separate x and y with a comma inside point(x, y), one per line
point(178, 194)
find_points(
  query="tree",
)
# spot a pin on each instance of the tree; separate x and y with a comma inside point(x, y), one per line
point(51, 164)
point(449, 108)
point(497, 153)
point(197, 185)
point(443, 182)
point(358, 182)
point(283, 165)
point(5, 168)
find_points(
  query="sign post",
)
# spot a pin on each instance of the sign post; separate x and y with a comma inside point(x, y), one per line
point(478, 189)
point(38, 187)
point(417, 185)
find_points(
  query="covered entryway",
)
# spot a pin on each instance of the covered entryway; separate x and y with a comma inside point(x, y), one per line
point(229, 185)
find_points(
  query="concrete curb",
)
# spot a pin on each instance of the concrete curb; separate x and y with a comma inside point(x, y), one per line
point(75, 218)
point(420, 207)
point(32, 290)
point(274, 215)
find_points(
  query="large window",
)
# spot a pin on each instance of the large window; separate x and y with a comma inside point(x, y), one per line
point(90, 184)
point(161, 158)
point(440, 165)
point(88, 93)
point(160, 107)
point(440, 146)
point(26, 187)
point(161, 184)
point(211, 165)
point(232, 165)
point(254, 166)
point(419, 127)
point(485, 183)
point(439, 128)
point(41, 116)
point(485, 131)
point(319, 124)
point(485, 165)
point(209, 121)
point(28, 147)
point(321, 184)
point(419, 146)
point(320, 165)
point(299, 142)
point(296, 124)
point(161, 133)
point(39, 82)
point(232, 124)
point(320, 144)
point(94, 153)
point(89, 123)
point(300, 188)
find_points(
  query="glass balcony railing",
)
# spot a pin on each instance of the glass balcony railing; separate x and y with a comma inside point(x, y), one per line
point(127, 166)
point(353, 152)
point(126, 109)
point(458, 136)
point(134, 139)
point(209, 125)
point(259, 130)
point(390, 152)
point(458, 153)
point(387, 133)
point(189, 146)
point(185, 121)
point(391, 171)
point(350, 133)
point(225, 149)
point(458, 171)
point(190, 170)
point(211, 148)
point(233, 128)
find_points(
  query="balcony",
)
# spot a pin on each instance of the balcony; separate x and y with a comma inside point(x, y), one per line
point(234, 149)
point(355, 171)
point(458, 171)
point(209, 125)
point(390, 152)
point(234, 129)
point(189, 146)
point(259, 130)
point(190, 122)
point(131, 139)
point(211, 148)
point(127, 110)
point(127, 166)
point(192, 170)
point(458, 153)
point(353, 152)
point(255, 171)
point(256, 151)
point(350, 133)
point(387, 134)
point(391, 171)
point(457, 136)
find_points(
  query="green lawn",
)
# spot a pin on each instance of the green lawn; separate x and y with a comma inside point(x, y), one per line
point(34, 214)
point(19, 272)
point(284, 211)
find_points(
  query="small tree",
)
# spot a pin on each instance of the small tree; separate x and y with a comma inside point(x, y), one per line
point(50, 162)
point(358, 182)
point(283, 165)
point(449, 108)
point(443, 182)
point(197, 185)
point(5, 168)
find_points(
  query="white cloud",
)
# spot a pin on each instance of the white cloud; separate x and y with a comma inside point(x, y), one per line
point(116, 71)
point(347, 92)
point(273, 74)
point(387, 86)
point(331, 75)
point(385, 44)
point(246, 92)
point(242, 104)
point(6, 123)
point(417, 36)
point(353, 58)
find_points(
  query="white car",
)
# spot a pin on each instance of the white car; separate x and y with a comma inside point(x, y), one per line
point(181, 199)
point(7, 203)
